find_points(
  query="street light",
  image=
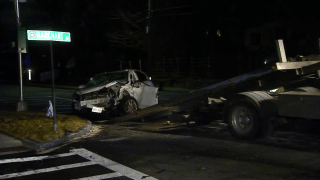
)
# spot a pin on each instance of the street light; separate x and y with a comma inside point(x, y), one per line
point(29, 70)
point(22, 106)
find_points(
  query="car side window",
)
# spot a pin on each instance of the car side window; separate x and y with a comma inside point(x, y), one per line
point(132, 77)
point(141, 76)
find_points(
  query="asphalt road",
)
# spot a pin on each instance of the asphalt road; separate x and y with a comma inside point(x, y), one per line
point(151, 150)
point(157, 150)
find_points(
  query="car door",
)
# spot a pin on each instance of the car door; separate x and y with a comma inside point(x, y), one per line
point(144, 90)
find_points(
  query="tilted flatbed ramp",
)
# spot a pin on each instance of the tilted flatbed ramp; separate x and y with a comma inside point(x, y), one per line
point(272, 77)
point(194, 97)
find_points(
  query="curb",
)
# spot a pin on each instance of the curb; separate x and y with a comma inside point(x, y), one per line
point(36, 145)
point(13, 150)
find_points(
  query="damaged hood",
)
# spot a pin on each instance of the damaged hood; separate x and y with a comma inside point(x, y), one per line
point(90, 89)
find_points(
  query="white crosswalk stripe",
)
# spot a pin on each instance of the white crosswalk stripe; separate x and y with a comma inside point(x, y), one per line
point(104, 176)
point(35, 158)
point(94, 159)
point(38, 171)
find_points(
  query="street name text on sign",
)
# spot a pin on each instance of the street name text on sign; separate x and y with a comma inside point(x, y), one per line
point(48, 36)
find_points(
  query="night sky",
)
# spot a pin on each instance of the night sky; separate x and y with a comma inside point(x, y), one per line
point(104, 32)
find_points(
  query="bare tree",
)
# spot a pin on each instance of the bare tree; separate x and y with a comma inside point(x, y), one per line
point(128, 26)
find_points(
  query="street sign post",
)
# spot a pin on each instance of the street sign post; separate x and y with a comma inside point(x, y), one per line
point(37, 35)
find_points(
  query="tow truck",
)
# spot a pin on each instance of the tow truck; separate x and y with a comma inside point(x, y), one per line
point(252, 104)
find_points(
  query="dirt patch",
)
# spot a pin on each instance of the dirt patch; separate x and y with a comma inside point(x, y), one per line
point(36, 126)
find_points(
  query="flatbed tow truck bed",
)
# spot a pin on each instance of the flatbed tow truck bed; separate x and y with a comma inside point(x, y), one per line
point(271, 77)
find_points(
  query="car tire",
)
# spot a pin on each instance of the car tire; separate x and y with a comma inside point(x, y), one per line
point(128, 105)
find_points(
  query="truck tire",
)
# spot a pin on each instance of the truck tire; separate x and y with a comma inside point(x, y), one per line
point(307, 89)
point(243, 120)
point(250, 115)
point(128, 105)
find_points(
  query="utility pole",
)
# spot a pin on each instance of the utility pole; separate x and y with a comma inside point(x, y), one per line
point(22, 106)
point(149, 31)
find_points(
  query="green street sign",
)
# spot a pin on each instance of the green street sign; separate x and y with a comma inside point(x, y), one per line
point(48, 36)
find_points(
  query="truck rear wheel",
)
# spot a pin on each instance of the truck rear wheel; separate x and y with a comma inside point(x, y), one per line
point(251, 115)
point(243, 120)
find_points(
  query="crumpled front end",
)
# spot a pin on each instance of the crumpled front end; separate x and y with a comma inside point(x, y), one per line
point(116, 92)
point(98, 99)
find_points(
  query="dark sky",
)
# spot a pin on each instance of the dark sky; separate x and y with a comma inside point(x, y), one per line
point(69, 14)
point(181, 27)
point(41, 13)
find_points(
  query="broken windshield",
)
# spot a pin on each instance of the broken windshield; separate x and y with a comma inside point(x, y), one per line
point(107, 78)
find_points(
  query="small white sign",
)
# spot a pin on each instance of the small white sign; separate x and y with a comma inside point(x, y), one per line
point(96, 109)
point(50, 110)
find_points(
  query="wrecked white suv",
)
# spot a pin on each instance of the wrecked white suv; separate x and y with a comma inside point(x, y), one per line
point(120, 92)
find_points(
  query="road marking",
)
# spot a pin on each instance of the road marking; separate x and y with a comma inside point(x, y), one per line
point(94, 159)
point(104, 176)
point(126, 171)
point(35, 158)
point(38, 171)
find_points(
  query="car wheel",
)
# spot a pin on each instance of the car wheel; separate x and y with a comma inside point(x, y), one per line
point(128, 105)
